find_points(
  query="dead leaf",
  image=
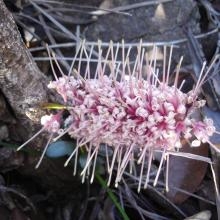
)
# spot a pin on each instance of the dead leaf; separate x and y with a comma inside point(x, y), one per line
point(185, 173)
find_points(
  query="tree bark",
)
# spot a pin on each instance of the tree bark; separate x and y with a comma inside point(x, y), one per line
point(25, 88)
point(22, 83)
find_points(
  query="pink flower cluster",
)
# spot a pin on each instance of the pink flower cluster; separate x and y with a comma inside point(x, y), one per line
point(131, 115)
point(130, 112)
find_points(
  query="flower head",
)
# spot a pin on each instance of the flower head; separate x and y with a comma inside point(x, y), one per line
point(128, 113)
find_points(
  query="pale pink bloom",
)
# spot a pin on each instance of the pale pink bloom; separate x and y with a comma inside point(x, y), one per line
point(51, 122)
point(132, 115)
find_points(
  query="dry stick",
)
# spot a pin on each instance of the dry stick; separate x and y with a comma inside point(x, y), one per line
point(97, 12)
point(130, 198)
point(116, 9)
point(128, 193)
point(190, 194)
point(139, 5)
point(85, 7)
point(52, 41)
point(171, 187)
point(69, 59)
point(58, 24)
point(166, 199)
point(127, 45)
point(17, 193)
point(57, 32)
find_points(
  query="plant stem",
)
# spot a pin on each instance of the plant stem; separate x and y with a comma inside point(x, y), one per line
point(112, 196)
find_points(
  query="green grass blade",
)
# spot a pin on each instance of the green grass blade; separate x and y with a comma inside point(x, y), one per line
point(112, 196)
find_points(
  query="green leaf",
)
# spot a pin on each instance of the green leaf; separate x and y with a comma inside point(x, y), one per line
point(48, 105)
point(112, 196)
